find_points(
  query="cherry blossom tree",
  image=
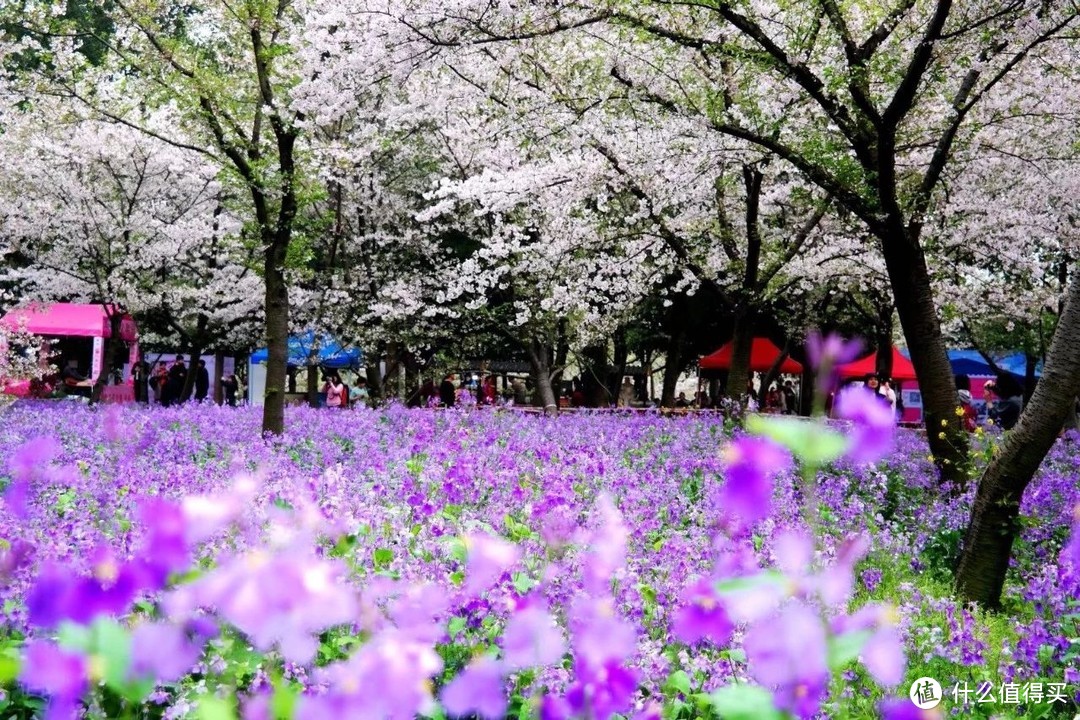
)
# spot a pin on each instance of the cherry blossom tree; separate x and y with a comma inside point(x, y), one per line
point(102, 213)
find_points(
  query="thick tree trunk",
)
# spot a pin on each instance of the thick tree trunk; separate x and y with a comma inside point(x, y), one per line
point(374, 381)
point(277, 336)
point(193, 366)
point(672, 367)
point(111, 344)
point(593, 376)
point(914, 298)
point(741, 345)
point(989, 538)
point(541, 369)
point(617, 371)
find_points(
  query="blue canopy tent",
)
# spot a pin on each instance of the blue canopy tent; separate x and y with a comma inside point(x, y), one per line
point(969, 362)
point(1017, 365)
point(330, 352)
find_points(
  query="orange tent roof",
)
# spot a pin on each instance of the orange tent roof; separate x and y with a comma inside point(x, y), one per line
point(763, 354)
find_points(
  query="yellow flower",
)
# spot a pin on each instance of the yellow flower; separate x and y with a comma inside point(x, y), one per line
point(941, 436)
point(959, 411)
point(989, 421)
point(944, 423)
point(930, 458)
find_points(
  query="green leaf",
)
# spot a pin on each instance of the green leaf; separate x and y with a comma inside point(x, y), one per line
point(283, 703)
point(677, 682)
point(114, 648)
point(744, 702)
point(383, 557)
point(211, 707)
point(458, 551)
point(523, 583)
point(74, 637)
point(9, 669)
point(811, 442)
point(843, 649)
point(455, 626)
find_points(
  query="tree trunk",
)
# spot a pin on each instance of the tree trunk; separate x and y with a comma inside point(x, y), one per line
point(374, 381)
point(193, 366)
point(884, 344)
point(617, 371)
point(914, 299)
point(277, 336)
point(993, 527)
point(312, 384)
point(673, 366)
point(541, 368)
point(111, 344)
point(219, 369)
point(593, 376)
point(1030, 361)
point(741, 345)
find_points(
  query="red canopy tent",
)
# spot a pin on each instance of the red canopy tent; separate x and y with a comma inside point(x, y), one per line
point(763, 354)
point(902, 369)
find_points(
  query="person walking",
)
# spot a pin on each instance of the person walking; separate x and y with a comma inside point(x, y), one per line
point(202, 382)
point(174, 384)
point(447, 391)
point(158, 378)
point(139, 372)
point(229, 385)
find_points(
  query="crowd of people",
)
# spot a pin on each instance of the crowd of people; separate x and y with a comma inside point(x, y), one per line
point(164, 384)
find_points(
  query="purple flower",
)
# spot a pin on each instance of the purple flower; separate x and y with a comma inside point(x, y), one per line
point(702, 617)
point(827, 354)
point(61, 674)
point(388, 677)
point(284, 599)
point(161, 651)
point(532, 638)
point(489, 557)
point(602, 691)
point(904, 709)
point(837, 582)
point(28, 461)
point(58, 594)
point(478, 689)
point(1070, 554)
point(752, 462)
point(607, 547)
point(164, 545)
point(832, 349)
point(788, 654)
point(883, 652)
point(871, 437)
point(13, 557)
point(600, 635)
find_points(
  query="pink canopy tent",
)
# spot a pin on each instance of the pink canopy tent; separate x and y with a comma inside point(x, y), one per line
point(902, 369)
point(69, 319)
point(763, 354)
point(75, 320)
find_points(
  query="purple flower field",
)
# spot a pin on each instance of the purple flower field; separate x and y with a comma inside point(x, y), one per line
point(396, 563)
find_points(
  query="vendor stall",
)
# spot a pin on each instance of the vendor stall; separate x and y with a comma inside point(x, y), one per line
point(78, 333)
point(328, 352)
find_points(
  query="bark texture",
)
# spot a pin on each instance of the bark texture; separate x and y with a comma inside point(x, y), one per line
point(984, 560)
